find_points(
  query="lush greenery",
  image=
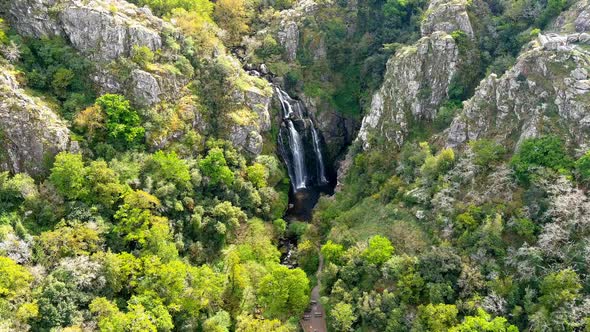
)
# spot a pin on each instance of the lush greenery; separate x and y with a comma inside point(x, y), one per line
point(128, 235)
point(154, 222)
point(458, 239)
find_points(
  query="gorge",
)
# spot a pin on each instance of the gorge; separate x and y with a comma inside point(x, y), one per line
point(279, 165)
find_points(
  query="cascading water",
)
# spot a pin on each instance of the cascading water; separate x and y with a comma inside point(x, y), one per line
point(295, 157)
point(318, 154)
point(298, 156)
point(305, 169)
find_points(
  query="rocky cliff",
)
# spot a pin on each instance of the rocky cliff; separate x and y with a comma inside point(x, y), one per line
point(298, 31)
point(101, 30)
point(546, 92)
point(576, 19)
point(105, 31)
point(109, 31)
point(447, 16)
point(418, 77)
point(30, 132)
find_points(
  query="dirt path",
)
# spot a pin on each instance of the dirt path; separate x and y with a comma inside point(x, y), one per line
point(313, 323)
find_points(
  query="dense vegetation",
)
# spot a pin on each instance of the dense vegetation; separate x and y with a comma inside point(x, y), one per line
point(125, 237)
point(472, 242)
point(128, 234)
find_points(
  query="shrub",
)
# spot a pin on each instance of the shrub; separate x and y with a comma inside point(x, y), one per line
point(163, 7)
point(142, 55)
point(268, 48)
point(215, 167)
point(62, 79)
point(122, 122)
point(583, 167)
point(436, 165)
point(547, 151)
point(487, 152)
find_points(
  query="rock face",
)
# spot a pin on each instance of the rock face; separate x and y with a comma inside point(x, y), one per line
point(288, 33)
point(547, 91)
point(31, 133)
point(245, 127)
point(418, 77)
point(447, 16)
point(576, 19)
point(289, 39)
point(415, 85)
point(106, 31)
point(336, 129)
point(100, 29)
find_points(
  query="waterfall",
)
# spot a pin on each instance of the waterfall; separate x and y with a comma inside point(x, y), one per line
point(297, 136)
point(318, 154)
point(298, 156)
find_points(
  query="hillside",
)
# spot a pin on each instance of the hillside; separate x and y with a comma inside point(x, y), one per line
point(185, 165)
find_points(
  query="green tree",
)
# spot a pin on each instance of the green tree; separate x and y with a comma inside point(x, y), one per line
point(220, 322)
point(435, 317)
point(547, 151)
point(68, 175)
point(248, 323)
point(67, 241)
point(58, 301)
point(169, 167)
point(232, 16)
point(307, 256)
point(62, 79)
point(342, 317)
point(403, 271)
point(559, 288)
point(136, 319)
point(332, 252)
point(283, 292)
point(122, 122)
point(552, 9)
point(379, 250)
point(15, 281)
point(139, 227)
point(255, 243)
point(257, 174)
point(103, 184)
point(483, 322)
point(215, 167)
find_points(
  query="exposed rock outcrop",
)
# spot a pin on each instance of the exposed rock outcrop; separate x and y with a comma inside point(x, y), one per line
point(337, 130)
point(100, 29)
point(415, 85)
point(546, 92)
point(104, 31)
point(289, 39)
point(107, 31)
point(447, 16)
point(289, 29)
point(31, 133)
point(418, 77)
point(576, 19)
